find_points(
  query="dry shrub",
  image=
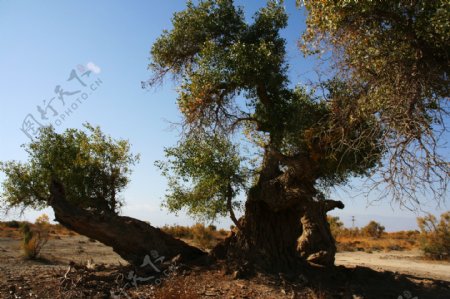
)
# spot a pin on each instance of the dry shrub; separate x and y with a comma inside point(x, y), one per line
point(371, 237)
point(373, 229)
point(33, 240)
point(178, 231)
point(203, 236)
point(435, 236)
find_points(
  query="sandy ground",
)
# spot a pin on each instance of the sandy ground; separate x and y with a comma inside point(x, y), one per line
point(405, 262)
point(20, 278)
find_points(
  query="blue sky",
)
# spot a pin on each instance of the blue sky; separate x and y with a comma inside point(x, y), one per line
point(43, 41)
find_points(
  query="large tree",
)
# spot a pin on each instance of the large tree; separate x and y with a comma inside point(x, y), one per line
point(80, 175)
point(234, 85)
point(248, 132)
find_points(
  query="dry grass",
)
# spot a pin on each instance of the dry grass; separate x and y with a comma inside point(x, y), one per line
point(403, 240)
point(205, 237)
point(8, 229)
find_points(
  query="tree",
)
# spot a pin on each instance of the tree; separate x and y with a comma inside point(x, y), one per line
point(394, 56)
point(80, 175)
point(93, 168)
point(435, 236)
point(373, 229)
point(246, 130)
point(233, 84)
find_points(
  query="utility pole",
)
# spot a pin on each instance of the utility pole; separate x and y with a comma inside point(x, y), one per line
point(353, 222)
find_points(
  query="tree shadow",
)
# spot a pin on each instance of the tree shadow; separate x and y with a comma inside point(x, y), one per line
point(342, 282)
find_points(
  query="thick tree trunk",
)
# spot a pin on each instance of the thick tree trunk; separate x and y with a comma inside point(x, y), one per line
point(132, 239)
point(282, 240)
point(284, 224)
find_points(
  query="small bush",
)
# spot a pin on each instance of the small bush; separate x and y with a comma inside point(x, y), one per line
point(33, 241)
point(434, 236)
point(373, 229)
point(42, 220)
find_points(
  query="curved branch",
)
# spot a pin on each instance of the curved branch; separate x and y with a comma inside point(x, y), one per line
point(330, 204)
point(132, 239)
point(230, 208)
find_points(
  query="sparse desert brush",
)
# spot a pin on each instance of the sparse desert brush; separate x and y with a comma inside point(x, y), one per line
point(371, 237)
point(405, 235)
point(33, 240)
point(43, 220)
point(336, 225)
point(203, 236)
point(178, 231)
point(435, 236)
point(373, 229)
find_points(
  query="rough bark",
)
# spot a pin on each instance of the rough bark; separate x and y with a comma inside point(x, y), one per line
point(284, 224)
point(132, 239)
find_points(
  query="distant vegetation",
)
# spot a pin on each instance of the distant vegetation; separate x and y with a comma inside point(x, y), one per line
point(371, 237)
point(435, 236)
point(433, 239)
point(202, 236)
point(12, 229)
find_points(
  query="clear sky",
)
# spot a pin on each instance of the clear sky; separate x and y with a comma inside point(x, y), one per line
point(43, 41)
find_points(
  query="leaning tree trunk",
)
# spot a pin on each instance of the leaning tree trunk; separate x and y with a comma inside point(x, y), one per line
point(284, 224)
point(132, 239)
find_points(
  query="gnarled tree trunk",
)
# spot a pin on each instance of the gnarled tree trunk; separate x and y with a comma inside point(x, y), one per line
point(284, 224)
point(132, 239)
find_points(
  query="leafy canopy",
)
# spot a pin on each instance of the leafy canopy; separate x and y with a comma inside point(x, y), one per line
point(92, 167)
point(204, 173)
point(396, 55)
point(232, 82)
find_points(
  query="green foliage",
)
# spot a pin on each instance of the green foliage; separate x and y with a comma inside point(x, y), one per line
point(395, 55)
point(373, 229)
point(218, 56)
point(399, 48)
point(204, 173)
point(435, 236)
point(93, 169)
point(233, 82)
